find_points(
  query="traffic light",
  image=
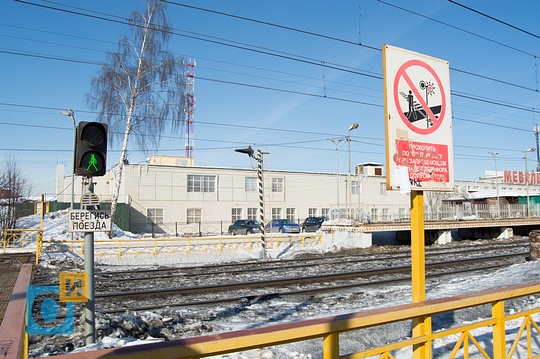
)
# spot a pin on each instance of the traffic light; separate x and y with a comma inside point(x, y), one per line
point(91, 149)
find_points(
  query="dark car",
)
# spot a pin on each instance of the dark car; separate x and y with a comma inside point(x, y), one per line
point(312, 224)
point(244, 226)
point(282, 226)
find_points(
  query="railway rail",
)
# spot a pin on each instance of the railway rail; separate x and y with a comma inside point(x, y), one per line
point(350, 257)
point(111, 302)
point(147, 289)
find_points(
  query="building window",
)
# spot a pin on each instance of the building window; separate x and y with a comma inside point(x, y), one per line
point(236, 214)
point(154, 215)
point(194, 215)
point(386, 214)
point(276, 213)
point(251, 184)
point(201, 183)
point(374, 214)
point(382, 188)
point(312, 212)
point(277, 184)
point(403, 214)
point(325, 212)
point(354, 187)
point(291, 214)
point(378, 171)
point(252, 213)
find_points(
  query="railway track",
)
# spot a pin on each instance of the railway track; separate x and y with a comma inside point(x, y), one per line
point(245, 284)
point(112, 302)
point(188, 275)
point(179, 302)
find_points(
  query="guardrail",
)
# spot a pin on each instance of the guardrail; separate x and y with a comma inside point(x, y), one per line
point(375, 213)
point(18, 237)
point(331, 329)
point(156, 246)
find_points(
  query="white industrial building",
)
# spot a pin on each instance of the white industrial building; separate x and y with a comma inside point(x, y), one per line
point(170, 195)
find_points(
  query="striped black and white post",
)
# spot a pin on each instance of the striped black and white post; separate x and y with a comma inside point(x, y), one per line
point(261, 202)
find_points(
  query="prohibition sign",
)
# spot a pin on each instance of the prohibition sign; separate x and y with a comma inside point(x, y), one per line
point(403, 74)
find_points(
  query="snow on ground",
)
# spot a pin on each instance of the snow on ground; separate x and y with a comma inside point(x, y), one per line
point(254, 314)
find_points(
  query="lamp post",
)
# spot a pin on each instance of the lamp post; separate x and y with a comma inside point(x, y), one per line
point(69, 112)
point(249, 151)
point(536, 131)
point(532, 149)
point(348, 197)
point(337, 171)
point(494, 154)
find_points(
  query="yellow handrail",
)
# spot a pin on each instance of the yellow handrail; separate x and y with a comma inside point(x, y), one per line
point(330, 329)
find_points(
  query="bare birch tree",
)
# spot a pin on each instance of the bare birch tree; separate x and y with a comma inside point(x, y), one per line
point(140, 90)
point(15, 189)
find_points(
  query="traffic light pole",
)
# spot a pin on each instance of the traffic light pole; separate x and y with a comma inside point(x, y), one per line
point(89, 310)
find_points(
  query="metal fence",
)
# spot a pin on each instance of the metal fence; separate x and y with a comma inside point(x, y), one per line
point(161, 246)
point(448, 212)
point(371, 213)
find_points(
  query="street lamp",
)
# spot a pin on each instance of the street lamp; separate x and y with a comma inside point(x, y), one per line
point(532, 149)
point(337, 171)
point(353, 127)
point(536, 131)
point(250, 152)
point(494, 154)
point(69, 112)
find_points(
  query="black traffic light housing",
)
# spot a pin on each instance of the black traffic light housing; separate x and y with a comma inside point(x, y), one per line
point(91, 149)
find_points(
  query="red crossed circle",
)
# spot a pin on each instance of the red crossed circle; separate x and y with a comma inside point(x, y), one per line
point(402, 73)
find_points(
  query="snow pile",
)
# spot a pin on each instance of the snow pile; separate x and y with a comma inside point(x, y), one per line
point(132, 328)
point(115, 330)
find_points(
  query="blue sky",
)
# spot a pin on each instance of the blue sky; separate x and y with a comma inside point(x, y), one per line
point(278, 90)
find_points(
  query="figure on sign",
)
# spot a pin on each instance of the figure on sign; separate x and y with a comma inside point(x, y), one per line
point(92, 163)
point(411, 112)
point(415, 109)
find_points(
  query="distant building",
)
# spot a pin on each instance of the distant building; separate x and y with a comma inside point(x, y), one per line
point(171, 195)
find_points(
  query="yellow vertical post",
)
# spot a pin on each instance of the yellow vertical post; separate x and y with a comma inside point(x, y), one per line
point(499, 333)
point(417, 247)
point(331, 346)
point(39, 237)
point(422, 325)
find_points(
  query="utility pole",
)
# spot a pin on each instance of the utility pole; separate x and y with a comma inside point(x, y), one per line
point(337, 173)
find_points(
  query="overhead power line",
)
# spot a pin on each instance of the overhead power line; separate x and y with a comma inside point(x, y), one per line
point(457, 28)
point(495, 19)
point(262, 50)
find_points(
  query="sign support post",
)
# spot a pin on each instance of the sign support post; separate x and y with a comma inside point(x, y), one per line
point(420, 326)
point(89, 309)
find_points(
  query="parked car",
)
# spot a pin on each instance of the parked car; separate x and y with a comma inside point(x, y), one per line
point(244, 226)
point(312, 224)
point(282, 226)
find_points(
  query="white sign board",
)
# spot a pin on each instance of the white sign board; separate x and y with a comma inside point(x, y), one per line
point(418, 121)
point(84, 220)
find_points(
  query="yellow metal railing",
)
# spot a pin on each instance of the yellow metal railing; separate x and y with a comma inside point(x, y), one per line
point(330, 330)
point(154, 246)
point(18, 238)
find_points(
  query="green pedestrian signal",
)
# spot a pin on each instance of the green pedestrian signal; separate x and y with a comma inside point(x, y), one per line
point(91, 149)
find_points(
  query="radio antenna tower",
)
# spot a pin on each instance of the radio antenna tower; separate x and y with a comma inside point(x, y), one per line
point(190, 106)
